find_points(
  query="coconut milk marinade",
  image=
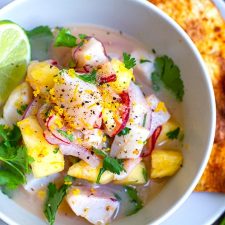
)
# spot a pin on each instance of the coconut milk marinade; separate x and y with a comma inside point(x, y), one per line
point(108, 123)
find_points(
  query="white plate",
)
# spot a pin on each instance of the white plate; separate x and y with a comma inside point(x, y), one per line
point(200, 208)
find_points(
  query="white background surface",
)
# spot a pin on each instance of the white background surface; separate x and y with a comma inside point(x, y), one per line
point(200, 208)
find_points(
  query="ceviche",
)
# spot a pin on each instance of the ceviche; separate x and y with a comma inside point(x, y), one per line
point(84, 127)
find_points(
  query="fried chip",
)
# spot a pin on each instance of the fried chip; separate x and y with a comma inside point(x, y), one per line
point(206, 27)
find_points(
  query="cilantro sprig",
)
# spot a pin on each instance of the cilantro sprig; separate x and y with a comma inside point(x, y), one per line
point(89, 77)
point(129, 62)
point(40, 39)
point(65, 38)
point(54, 198)
point(111, 164)
point(134, 199)
point(14, 160)
point(22, 109)
point(173, 134)
point(144, 61)
point(168, 74)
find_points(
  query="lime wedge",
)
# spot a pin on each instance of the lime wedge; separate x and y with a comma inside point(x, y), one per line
point(14, 57)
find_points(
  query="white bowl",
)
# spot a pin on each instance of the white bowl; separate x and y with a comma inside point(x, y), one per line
point(152, 27)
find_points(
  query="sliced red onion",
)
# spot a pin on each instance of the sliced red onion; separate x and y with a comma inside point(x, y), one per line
point(151, 143)
point(32, 108)
point(55, 133)
point(148, 120)
point(80, 152)
point(51, 139)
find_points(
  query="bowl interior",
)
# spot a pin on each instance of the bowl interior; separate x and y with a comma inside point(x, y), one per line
point(144, 22)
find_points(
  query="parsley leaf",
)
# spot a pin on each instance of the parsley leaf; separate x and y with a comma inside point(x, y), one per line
point(134, 199)
point(40, 40)
point(66, 135)
point(14, 160)
point(111, 164)
point(167, 73)
point(144, 61)
point(54, 199)
point(173, 134)
point(65, 39)
point(128, 61)
point(125, 131)
point(89, 77)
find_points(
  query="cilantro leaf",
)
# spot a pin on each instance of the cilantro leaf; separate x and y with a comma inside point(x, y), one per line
point(144, 120)
point(173, 134)
point(125, 131)
point(134, 199)
point(40, 40)
point(111, 164)
point(65, 39)
point(82, 36)
point(14, 160)
point(128, 61)
point(54, 199)
point(145, 174)
point(89, 77)
point(168, 74)
point(66, 135)
point(144, 61)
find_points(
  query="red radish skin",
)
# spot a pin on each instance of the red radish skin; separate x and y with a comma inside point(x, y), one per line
point(151, 142)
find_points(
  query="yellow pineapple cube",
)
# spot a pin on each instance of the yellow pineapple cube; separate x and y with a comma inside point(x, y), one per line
point(137, 176)
point(41, 76)
point(165, 163)
point(46, 160)
point(84, 171)
point(123, 76)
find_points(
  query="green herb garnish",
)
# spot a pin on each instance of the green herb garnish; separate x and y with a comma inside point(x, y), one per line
point(111, 164)
point(145, 174)
point(173, 134)
point(65, 38)
point(144, 61)
point(117, 197)
point(14, 160)
point(22, 109)
point(54, 199)
point(134, 199)
point(89, 78)
point(125, 131)
point(56, 150)
point(168, 74)
point(40, 40)
point(82, 36)
point(66, 135)
point(144, 120)
point(129, 62)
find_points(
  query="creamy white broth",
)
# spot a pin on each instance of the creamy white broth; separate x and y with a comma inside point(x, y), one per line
point(115, 42)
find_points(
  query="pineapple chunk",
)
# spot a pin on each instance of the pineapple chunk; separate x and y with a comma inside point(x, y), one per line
point(84, 171)
point(41, 75)
point(171, 125)
point(137, 176)
point(46, 162)
point(123, 76)
point(165, 163)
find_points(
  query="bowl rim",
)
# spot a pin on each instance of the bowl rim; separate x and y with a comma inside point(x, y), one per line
point(210, 90)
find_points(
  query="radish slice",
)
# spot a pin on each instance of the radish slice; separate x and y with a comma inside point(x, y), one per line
point(80, 152)
point(32, 108)
point(128, 165)
point(52, 139)
point(151, 143)
point(51, 127)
